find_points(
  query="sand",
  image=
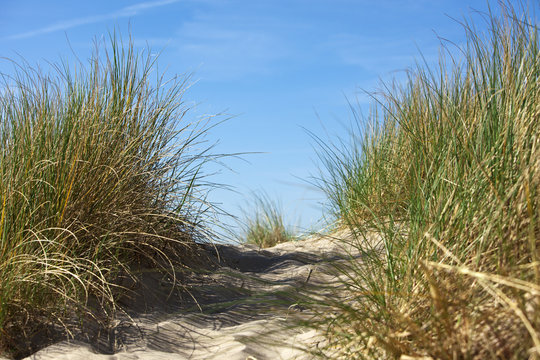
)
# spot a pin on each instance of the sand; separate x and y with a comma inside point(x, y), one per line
point(245, 309)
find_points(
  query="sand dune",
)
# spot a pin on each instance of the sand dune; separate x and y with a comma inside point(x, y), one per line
point(248, 309)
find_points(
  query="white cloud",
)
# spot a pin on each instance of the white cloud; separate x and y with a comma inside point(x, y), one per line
point(127, 11)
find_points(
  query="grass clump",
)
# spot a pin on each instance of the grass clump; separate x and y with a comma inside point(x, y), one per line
point(447, 172)
point(264, 225)
point(98, 176)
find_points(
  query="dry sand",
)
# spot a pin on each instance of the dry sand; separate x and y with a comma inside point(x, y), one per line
point(248, 306)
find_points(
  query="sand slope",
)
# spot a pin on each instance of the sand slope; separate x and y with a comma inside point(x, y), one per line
point(248, 306)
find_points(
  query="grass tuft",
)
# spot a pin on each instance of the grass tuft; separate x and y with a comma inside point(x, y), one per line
point(264, 225)
point(99, 174)
point(447, 171)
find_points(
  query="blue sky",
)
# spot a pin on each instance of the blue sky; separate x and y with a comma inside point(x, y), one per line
point(278, 66)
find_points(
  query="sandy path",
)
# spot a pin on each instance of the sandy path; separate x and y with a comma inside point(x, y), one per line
point(247, 306)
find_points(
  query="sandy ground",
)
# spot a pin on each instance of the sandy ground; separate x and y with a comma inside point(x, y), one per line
point(245, 309)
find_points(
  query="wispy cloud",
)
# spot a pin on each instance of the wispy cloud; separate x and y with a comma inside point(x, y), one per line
point(379, 54)
point(230, 46)
point(127, 11)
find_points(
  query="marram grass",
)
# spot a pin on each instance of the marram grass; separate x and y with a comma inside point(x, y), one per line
point(99, 173)
point(447, 171)
point(263, 223)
